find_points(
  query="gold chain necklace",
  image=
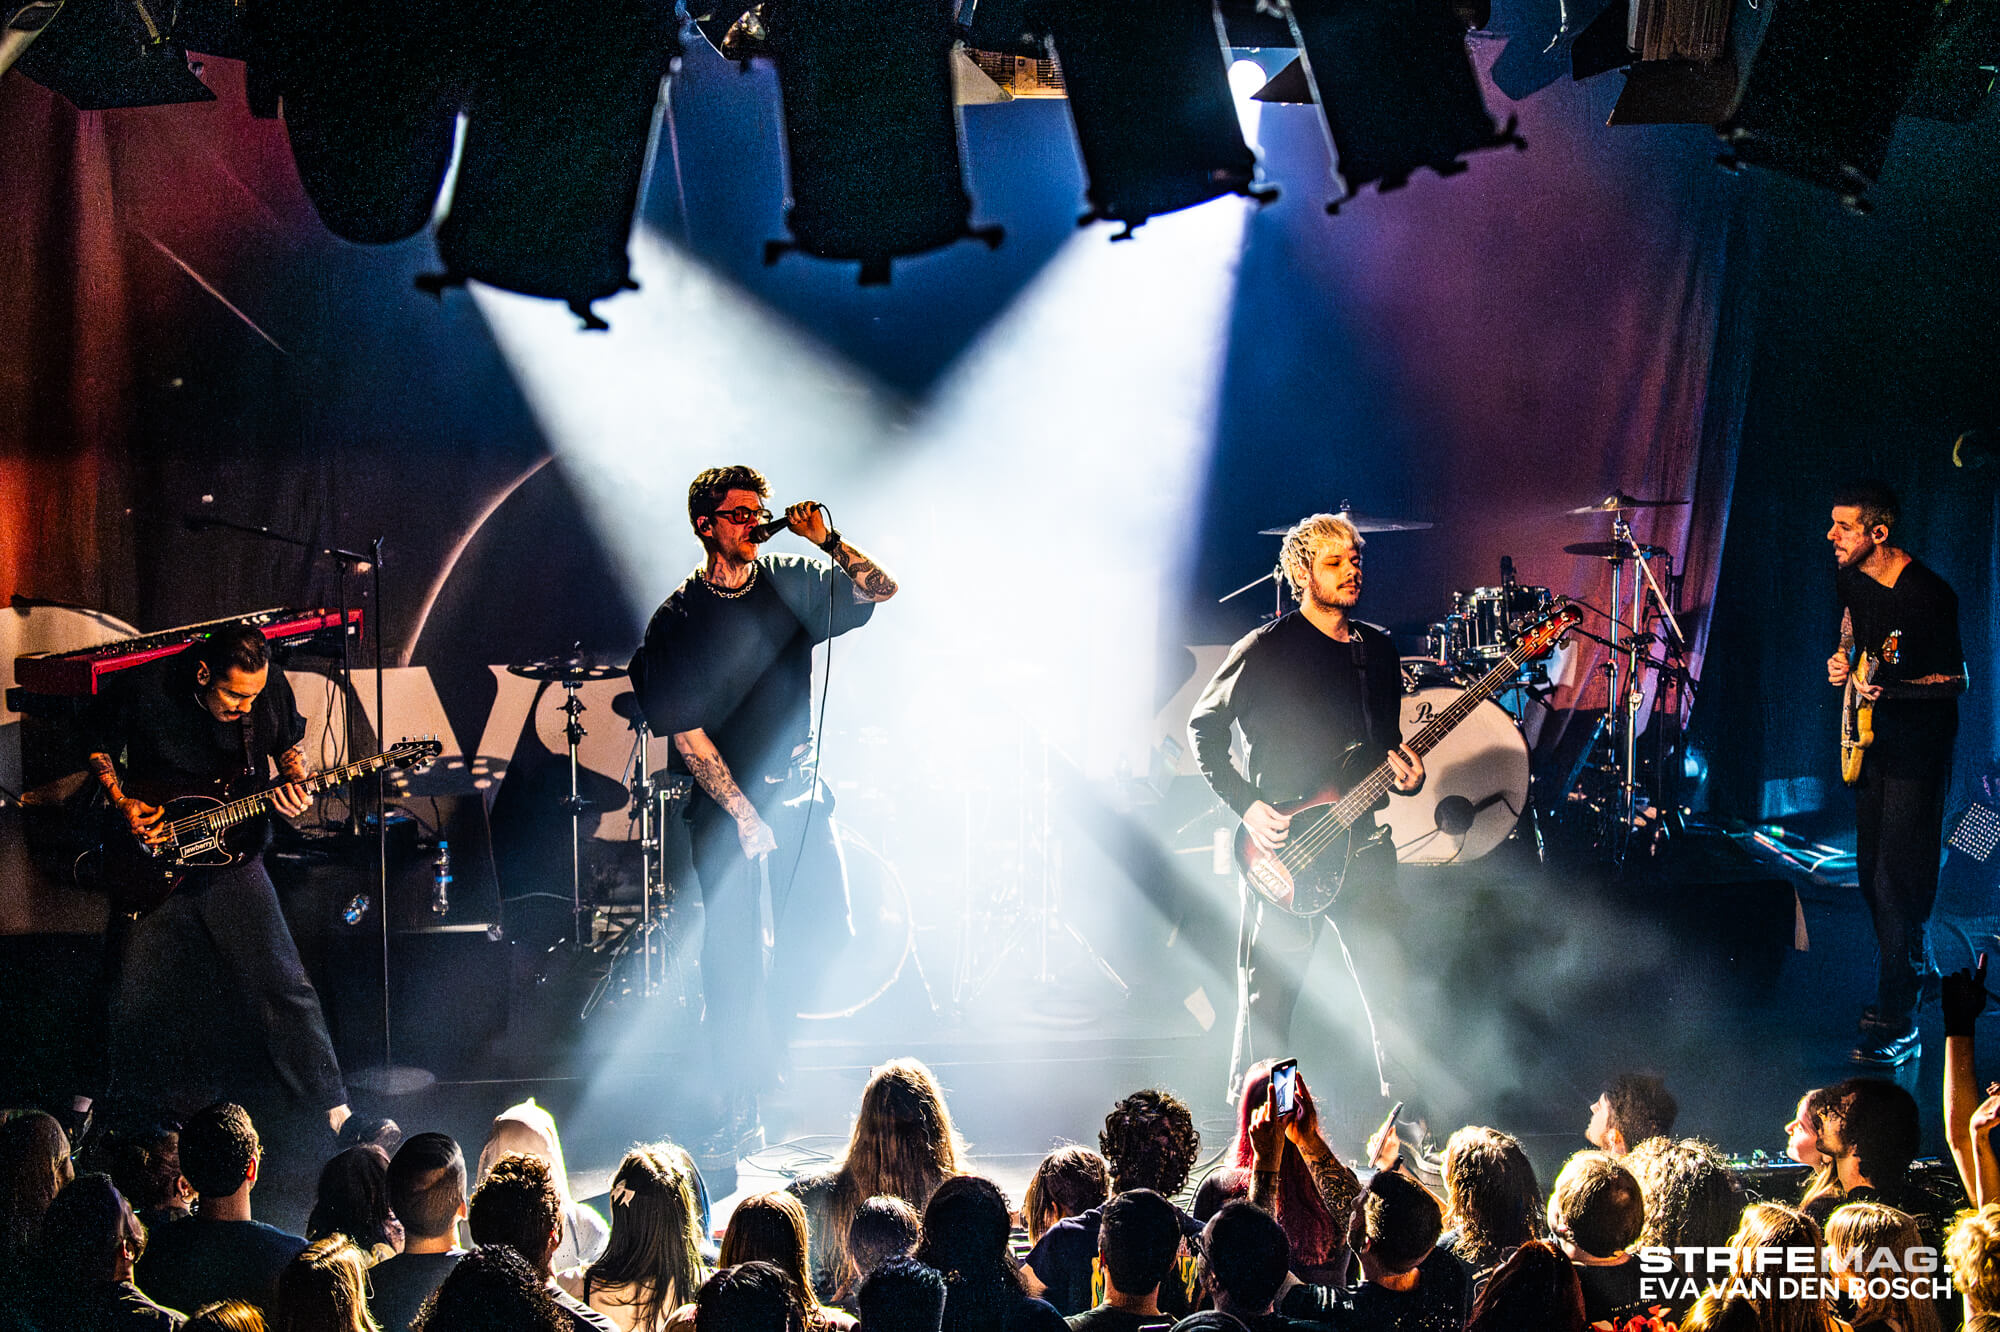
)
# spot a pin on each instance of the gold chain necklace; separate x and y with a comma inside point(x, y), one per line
point(728, 593)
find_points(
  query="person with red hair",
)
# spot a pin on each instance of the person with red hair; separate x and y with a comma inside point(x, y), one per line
point(1309, 1175)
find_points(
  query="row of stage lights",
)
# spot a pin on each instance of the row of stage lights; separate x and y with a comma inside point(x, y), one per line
point(558, 101)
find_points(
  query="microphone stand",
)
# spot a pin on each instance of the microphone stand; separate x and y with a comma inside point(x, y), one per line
point(389, 1079)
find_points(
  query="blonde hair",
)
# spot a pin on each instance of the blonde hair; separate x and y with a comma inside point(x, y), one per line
point(1310, 536)
point(1775, 1226)
point(1972, 1252)
point(324, 1290)
point(530, 1130)
point(1856, 1232)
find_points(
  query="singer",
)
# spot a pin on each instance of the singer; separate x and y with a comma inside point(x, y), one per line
point(1304, 688)
point(725, 671)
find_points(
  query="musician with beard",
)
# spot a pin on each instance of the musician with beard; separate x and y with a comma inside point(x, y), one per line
point(1304, 689)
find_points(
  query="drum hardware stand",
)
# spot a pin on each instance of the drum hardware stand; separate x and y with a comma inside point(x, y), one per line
point(1034, 923)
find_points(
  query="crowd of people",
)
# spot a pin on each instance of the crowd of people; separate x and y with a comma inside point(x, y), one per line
point(1641, 1232)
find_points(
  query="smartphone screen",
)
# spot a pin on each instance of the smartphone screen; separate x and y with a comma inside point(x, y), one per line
point(1285, 1087)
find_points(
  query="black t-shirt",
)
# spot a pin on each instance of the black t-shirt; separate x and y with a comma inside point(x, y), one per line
point(1065, 1262)
point(1913, 736)
point(740, 667)
point(152, 719)
point(1438, 1302)
point(1301, 698)
point(1611, 1292)
point(1104, 1318)
point(192, 1263)
point(398, 1286)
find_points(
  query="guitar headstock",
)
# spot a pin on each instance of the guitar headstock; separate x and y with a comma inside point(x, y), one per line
point(1546, 632)
point(410, 753)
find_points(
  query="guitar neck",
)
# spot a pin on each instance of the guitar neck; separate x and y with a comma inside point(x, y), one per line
point(1377, 783)
point(251, 806)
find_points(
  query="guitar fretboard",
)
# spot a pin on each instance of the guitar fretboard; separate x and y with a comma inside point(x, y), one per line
point(250, 806)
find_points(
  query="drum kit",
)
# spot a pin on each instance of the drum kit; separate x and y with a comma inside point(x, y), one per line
point(634, 920)
point(1478, 783)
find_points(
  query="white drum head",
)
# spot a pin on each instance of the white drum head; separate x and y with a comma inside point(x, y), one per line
point(1475, 787)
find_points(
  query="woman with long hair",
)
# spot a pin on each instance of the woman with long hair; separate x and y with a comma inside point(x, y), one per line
point(966, 1225)
point(1309, 1228)
point(325, 1289)
point(1534, 1290)
point(1492, 1201)
point(1069, 1182)
point(771, 1228)
point(353, 1200)
point(34, 1165)
point(527, 1127)
point(1773, 1228)
point(1802, 1145)
point(903, 1146)
point(652, 1264)
point(1856, 1234)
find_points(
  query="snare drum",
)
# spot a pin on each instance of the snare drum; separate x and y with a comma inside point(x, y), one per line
point(1491, 618)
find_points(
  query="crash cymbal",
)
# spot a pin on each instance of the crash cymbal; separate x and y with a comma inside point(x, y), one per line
point(565, 670)
point(1612, 550)
point(1363, 522)
point(1617, 500)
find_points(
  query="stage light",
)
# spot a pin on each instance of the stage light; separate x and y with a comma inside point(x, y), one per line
point(1825, 89)
point(1149, 96)
point(1396, 87)
point(555, 143)
point(104, 54)
point(1246, 78)
point(871, 131)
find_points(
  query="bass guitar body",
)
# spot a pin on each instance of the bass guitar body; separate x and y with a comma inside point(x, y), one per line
point(1306, 880)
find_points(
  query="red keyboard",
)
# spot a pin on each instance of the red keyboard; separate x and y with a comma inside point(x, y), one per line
point(80, 674)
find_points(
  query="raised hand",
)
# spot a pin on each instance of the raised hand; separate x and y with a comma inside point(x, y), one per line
point(1963, 999)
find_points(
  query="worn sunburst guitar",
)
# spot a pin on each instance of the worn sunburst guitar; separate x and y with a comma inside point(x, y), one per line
point(199, 830)
point(1857, 714)
point(1306, 874)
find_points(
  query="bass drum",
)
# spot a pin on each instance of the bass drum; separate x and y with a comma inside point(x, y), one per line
point(1475, 784)
point(864, 965)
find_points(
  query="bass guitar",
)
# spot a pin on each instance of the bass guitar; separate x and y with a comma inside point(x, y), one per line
point(1306, 874)
point(200, 830)
point(1857, 714)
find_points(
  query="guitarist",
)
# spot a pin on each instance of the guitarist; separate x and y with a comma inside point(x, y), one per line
point(1899, 801)
point(215, 711)
point(1305, 689)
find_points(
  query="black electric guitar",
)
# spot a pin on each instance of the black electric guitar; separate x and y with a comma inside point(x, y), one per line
point(1306, 874)
point(211, 829)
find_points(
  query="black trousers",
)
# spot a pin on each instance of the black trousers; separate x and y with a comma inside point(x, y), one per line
point(749, 1018)
point(1899, 830)
point(164, 968)
point(1274, 948)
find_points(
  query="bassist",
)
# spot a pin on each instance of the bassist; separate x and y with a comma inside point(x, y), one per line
point(215, 712)
point(1905, 771)
point(1317, 695)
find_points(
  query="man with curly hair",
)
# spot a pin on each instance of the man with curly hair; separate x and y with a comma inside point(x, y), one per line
point(517, 1205)
point(1150, 1142)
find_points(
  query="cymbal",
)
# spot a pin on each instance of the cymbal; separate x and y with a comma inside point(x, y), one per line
point(1363, 522)
point(1618, 499)
point(1612, 550)
point(565, 670)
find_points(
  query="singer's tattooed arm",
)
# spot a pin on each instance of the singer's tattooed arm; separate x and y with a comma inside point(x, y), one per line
point(712, 773)
point(871, 580)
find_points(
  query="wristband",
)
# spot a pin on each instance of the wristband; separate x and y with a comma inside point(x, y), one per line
point(832, 542)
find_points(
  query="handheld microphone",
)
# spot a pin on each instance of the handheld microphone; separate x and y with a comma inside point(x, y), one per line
point(763, 532)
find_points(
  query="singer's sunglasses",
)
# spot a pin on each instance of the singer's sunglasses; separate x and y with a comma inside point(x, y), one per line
point(742, 517)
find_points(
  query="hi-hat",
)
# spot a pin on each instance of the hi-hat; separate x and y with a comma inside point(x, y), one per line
point(1613, 550)
point(1617, 500)
point(1363, 522)
point(565, 670)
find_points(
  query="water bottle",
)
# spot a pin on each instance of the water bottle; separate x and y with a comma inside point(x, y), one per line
point(441, 879)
